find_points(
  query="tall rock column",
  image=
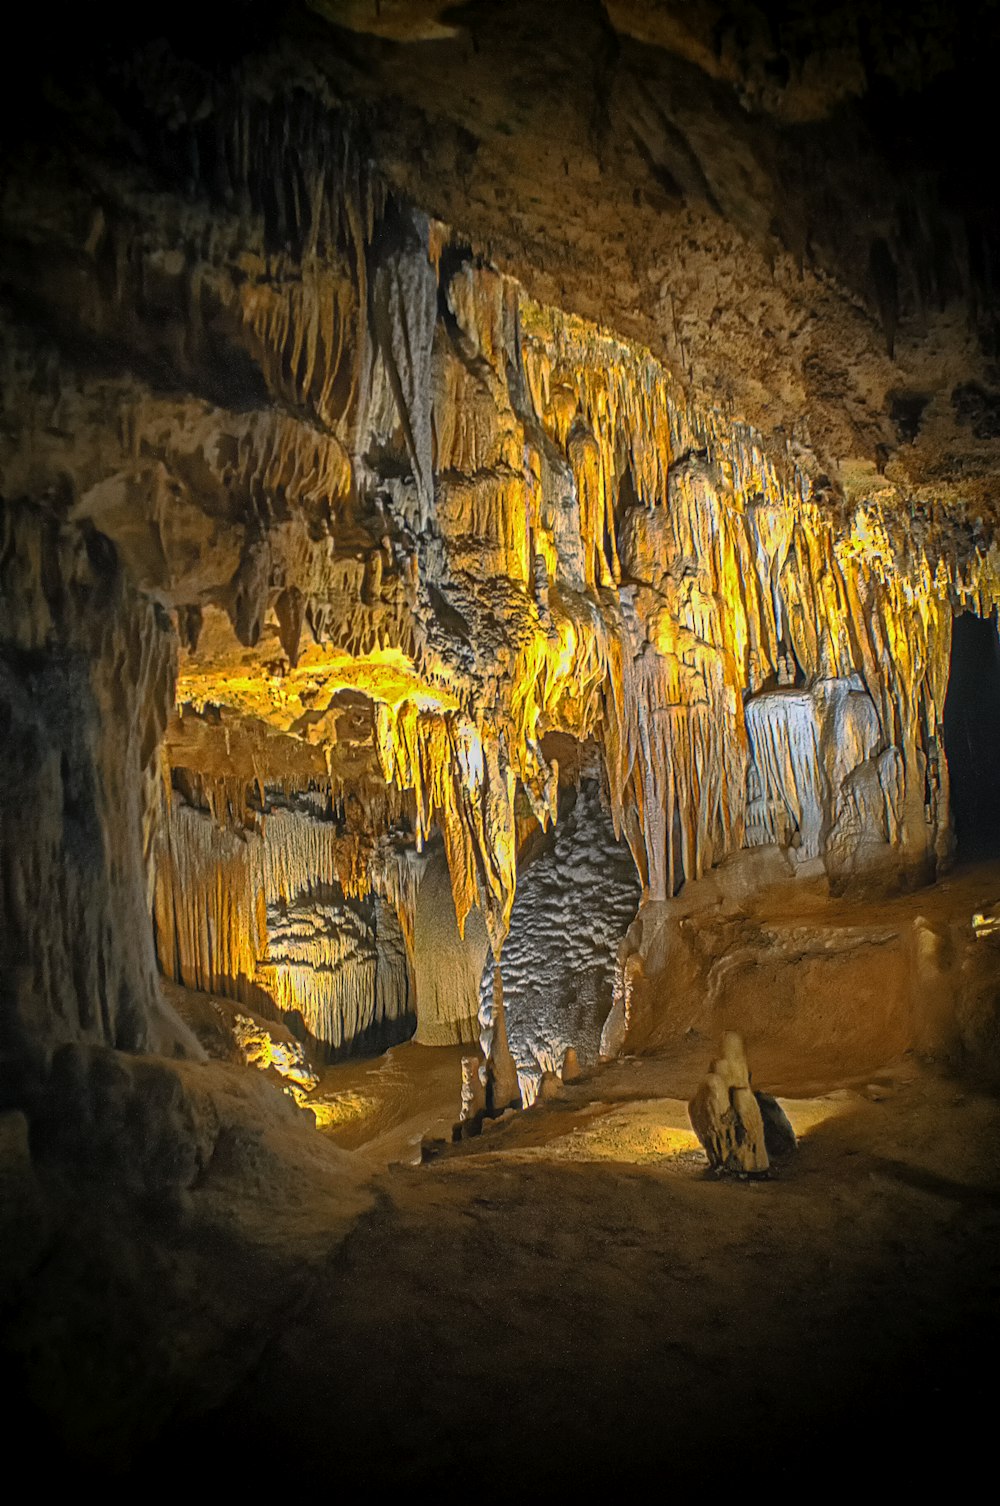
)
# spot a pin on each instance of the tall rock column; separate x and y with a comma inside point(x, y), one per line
point(86, 683)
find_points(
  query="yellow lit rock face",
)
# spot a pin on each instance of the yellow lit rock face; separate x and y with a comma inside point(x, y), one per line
point(413, 526)
point(600, 560)
point(262, 1050)
point(295, 699)
point(332, 1111)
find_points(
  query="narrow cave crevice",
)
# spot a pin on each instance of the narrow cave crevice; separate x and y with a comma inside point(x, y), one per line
point(972, 735)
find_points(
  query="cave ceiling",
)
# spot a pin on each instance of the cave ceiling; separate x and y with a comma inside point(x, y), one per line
point(459, 378)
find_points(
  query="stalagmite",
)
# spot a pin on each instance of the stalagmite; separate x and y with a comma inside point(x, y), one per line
point(574, 902)
point(501, 1077)
point(570, 1069)
point(725, 1114)
point(473, 1090)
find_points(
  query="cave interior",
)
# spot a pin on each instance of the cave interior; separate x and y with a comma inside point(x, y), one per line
point(500, 737)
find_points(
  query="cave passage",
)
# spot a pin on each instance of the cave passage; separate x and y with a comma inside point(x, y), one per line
point(972, 735)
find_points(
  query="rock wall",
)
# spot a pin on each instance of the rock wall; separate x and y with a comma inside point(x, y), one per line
point(86, 683)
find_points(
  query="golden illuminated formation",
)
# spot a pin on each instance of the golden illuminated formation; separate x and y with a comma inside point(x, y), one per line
point(576, 551)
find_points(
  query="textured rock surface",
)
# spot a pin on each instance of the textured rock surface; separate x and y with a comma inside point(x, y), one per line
point(574, 902)
point(447, 966)
point(246, 912)
point(86, 679)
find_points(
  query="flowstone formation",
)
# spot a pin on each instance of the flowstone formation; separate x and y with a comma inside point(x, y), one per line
point(358, 542)
point(262, 913)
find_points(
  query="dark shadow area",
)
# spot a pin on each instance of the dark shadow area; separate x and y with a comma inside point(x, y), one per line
point(972, 735)
point(380, 1036)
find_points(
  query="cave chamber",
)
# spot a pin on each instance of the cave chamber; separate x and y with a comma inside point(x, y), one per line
point(499, 577)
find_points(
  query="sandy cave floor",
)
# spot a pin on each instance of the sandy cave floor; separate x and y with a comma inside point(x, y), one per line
point(575, 1300)
point(571, 1299)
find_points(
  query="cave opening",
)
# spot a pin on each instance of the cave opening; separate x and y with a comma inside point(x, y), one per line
point(972, 735)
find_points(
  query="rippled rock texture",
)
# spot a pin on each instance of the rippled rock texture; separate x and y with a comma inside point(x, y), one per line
point(574, 903)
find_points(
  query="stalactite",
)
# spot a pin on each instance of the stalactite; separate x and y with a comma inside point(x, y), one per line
point(489, 519)
point(280, 912)
point(652, 572)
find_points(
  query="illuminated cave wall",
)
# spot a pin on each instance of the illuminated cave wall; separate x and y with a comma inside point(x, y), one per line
point(643, 575)
point(243, 911)
point(407, 521)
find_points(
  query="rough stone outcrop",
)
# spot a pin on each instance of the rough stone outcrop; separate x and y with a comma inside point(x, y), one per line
point(500, 1074)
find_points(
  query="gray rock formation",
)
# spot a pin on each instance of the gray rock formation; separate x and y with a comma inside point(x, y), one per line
point(574, 902)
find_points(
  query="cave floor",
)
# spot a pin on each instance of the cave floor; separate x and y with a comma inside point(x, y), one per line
point(571, 1299)
point(583, 1303)
point(568, 1300)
